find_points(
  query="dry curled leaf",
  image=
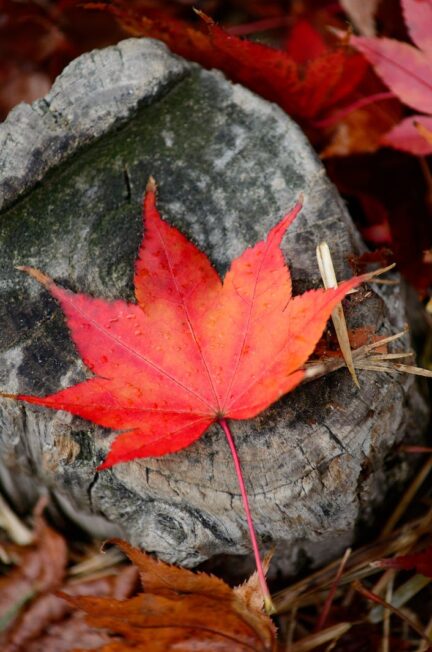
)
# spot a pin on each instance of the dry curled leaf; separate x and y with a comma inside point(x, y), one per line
point(178, 610)
point(37, 569)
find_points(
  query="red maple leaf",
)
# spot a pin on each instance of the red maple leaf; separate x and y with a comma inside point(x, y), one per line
point(194, 350)
point(407, 71)
point(303, 89)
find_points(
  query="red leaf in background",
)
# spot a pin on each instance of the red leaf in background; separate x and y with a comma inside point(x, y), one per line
point(418, 19)
point(304, 92)
point(304, 42)
point(407, 137)
point(403, 68)
point(361, 130)
point(407, 71)
point(384, 176)
point(421, 562)
point(378, 230)
point(33, 50)
point(37, 40)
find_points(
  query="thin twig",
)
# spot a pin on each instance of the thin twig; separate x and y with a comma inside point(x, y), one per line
point(403, 594)
point(317, 639)
point(373, 597)
point(329, 600)
point(385, 646)
point(423, 647)
point(407, 498)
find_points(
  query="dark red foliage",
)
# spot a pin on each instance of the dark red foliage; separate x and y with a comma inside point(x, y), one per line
point(421, 562)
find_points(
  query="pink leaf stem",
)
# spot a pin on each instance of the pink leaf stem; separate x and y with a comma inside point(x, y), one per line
point(261, 575)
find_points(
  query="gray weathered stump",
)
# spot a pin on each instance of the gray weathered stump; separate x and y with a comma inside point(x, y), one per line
point(73, 169)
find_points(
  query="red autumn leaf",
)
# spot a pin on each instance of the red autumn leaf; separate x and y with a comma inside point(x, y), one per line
point(361, 127)
point(407, 71)
point(180, 610)
point(193, 350)
point(407, 135)
point(33, 50)
point(304, 42)
point(421, 562)
point(302, 91)
point(418, 19)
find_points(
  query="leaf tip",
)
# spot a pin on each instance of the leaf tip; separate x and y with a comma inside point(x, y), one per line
point(12, 396)
point(202, 15)
point(103, 466)
point(269, 606)
point(151, 185)
point(344, 36)
point(378, 272)
point(207, 19)
point(36, 274)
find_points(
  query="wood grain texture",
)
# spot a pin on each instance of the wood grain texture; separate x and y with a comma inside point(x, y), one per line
point(73, 169)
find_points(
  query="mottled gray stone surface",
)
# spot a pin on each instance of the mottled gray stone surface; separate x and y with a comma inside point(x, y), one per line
point(73, 169)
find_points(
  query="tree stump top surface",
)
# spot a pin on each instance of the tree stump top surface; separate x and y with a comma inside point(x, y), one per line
point(228, 165)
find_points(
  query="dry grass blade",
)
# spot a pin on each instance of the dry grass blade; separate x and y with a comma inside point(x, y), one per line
point(417, 371)
point(328, 275)
point(365, 366)
point(312, 590)
point(96, 563)
point(362, 14)
point(358, 586)
point(319, 638)
point(291, 629)
point(407, 498)
point(384, 341)
point(391, 356)
point(423, 647)
point(416, 449)
point(318, 369)
point(367, 358)
point(16, 530)
point(401, 596)
point(329, 600)
point(385, 647)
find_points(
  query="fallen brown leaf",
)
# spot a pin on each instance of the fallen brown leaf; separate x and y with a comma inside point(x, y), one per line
point(39, 568)
point(179, 610)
